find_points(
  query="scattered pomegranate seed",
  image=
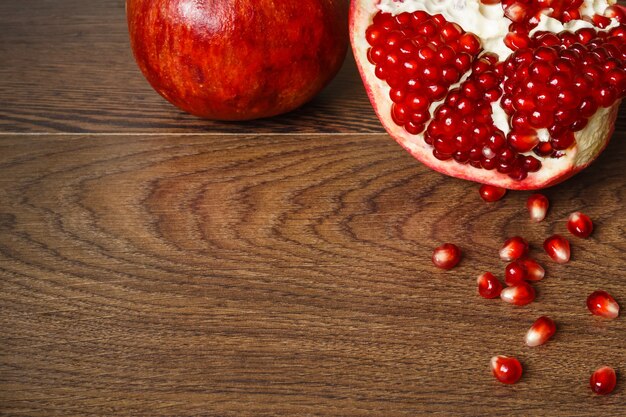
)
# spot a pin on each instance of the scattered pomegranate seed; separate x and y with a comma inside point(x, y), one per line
point(579, 224)
point(535, 272)
point(506, 369)
point(491, 193)
point(540, 332)
point(446, 256)
point(600, 303)
point(537, 205)
point(515, 272)
point(603, 380)
point(488, 285)
point(557, 247)
point(519, 295)
point(514, 248)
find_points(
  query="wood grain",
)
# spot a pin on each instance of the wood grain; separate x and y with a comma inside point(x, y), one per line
point(285, 275)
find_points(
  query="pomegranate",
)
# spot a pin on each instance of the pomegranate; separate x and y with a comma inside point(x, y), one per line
point(506, 369)
point(514, 94)
point(238, 60)
point(603, 380)
point(446, 256)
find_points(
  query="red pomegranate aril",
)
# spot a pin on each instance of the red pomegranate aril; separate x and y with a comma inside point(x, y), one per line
point(514, 248)
point(558, 248)
point(563, 142)
point(446, 256)
point(603, 380)
point(540, 332)
point(488, 285)
point(601, 303)
point(534, 271)
point(506, 369)
point(519, 294)
point(580, 225)
point(491, 193)
point(523, 141)
point(537, 205)
point(515, 272)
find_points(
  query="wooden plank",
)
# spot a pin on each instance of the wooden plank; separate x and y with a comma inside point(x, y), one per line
point(67, 67)
point(285, 275)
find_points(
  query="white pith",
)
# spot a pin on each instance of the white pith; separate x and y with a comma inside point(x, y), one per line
point(489, 24)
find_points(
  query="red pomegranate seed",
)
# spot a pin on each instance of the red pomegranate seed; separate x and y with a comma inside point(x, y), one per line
point(491, 193)
point(537, 205)
point(514, 248)
point(534, 271)
point(540, 332)
point(600, 303)
point(488, 285)
point(557, 247)
point(519, 295)
point(579, 225)
point(603, 380)
point(515, 272)
point(446, 256)
point(506, 369)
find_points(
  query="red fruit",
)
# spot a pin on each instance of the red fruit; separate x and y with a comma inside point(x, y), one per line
point(506, 369)
point(491, 193)
point(579, 224)
point(519, 295)
point(514, 248)
point(240, 60)
point(515, 272)
point(446, 256)
point(488, 285)
point(540, 332)
point(534, 271)
point(552, 96)
point(557, 247)
point(603, 380)
point(600, 303)
point(537, 205)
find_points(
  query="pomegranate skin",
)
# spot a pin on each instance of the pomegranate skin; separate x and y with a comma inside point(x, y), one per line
point(238, 59)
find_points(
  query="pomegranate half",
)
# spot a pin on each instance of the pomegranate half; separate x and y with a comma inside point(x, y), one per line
point(519, 94)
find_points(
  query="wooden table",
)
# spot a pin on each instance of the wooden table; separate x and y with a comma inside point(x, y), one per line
point(152, 263)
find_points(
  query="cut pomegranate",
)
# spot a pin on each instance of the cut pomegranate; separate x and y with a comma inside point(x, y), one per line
point(537, 205)
point(519, 295)
point(506, 369)
point(540, 332)
point(514, 248)
point(557, 247)
point(535, 272)
point(446, 256)
point(514, 94)
point(600, 303)
point(515, 272)
point(490, 193)
point(603, 380)
point(488, 285)
point(579, 225)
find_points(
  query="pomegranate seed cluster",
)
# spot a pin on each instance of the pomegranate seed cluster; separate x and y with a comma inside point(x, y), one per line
point(552, 81)
point(420, 56)
point(559, 84)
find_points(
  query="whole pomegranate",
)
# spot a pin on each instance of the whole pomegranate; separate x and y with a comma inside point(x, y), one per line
point(519, 94)
point(238, 59)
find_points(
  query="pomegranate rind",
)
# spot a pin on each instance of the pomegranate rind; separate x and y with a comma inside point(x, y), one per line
point(590, 142)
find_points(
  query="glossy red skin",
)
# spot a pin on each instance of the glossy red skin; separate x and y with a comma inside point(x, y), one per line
point(603, 380)
point(238, 59)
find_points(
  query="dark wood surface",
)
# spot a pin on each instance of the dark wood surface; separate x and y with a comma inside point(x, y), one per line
point(155, 264)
